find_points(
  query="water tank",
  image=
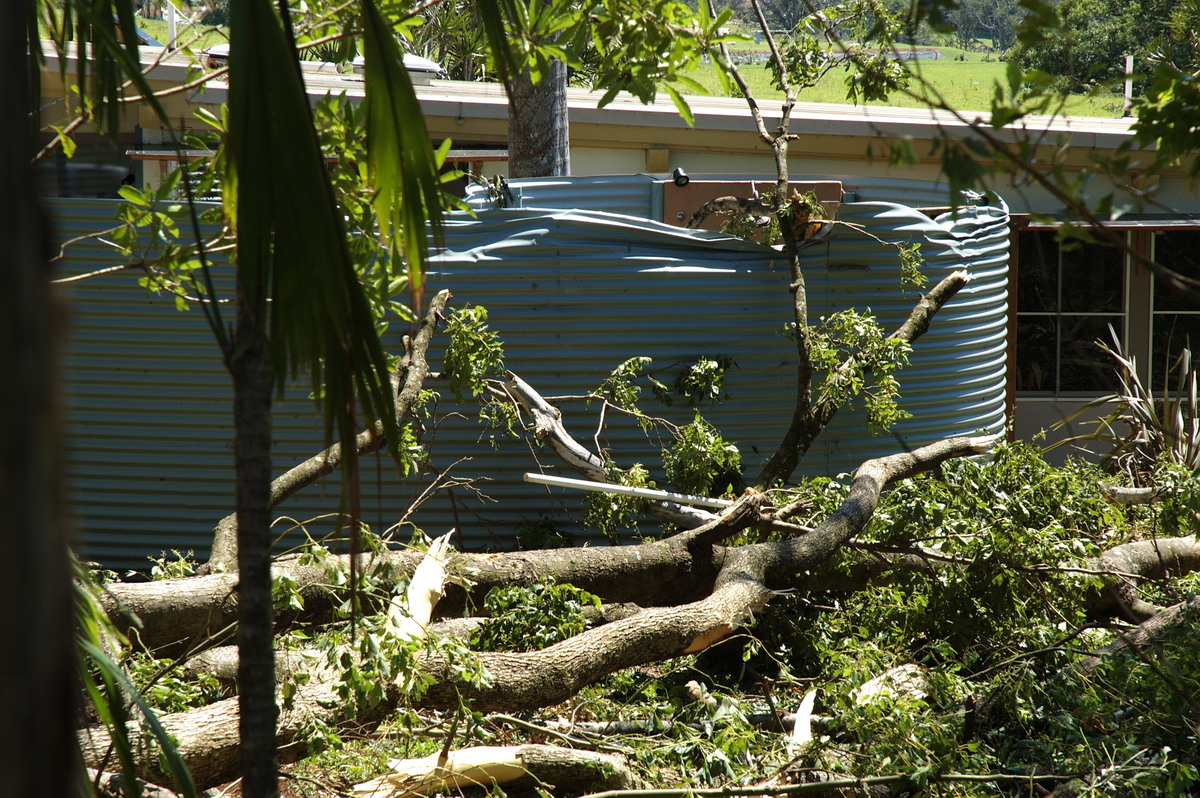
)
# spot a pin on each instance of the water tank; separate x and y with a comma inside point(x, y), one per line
point(574, 292)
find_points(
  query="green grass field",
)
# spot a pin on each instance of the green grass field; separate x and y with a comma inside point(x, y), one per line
point(197, 38)
point(966, 80)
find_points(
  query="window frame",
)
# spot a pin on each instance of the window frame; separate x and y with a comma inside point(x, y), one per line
point(1138, 312)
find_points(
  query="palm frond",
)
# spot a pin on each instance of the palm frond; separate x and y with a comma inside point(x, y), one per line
point(407, 194)
point(1139, 427)
point(294, 269)
point(105, 31)
point(113, 693)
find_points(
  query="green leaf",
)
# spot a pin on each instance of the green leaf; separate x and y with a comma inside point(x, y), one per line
point(114, 676)
point(295, 276)
point(681, 104)
point(407, 197)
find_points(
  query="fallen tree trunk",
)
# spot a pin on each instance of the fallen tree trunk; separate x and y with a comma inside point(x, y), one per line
point(747, 578)
point(178, 615)
point(208, 740)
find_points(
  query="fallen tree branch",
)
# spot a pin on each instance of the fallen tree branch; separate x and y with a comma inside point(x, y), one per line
point(1123, 567)
point(410, 376)
point(169, 616)
point(1145, 632)
point(837, 782)
point(780, 723)
point(810, 417)
point(1133, 496)
point(746, 578)
point(1148, 559)
point(548, 428)
point(567, 769)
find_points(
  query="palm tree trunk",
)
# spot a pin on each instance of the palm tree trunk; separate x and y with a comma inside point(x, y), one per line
point(538, 142)
point(251, 370)
point(38, 755)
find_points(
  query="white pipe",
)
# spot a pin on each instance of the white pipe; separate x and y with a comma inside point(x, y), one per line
point(624, 490)
point(171, 16)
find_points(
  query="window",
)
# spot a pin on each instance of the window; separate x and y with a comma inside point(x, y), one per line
point(1175, 320)
point(1068, 295)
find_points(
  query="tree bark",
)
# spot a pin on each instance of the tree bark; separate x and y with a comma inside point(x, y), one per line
point(538, 137)
point(37, 684)
point(251, 369)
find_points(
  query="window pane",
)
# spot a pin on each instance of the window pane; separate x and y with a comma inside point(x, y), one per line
point(1172, 332)
point(1084, 367)
point(1093, 279)
point(1178, 250)
point(1037, 338)
point(1037, 272)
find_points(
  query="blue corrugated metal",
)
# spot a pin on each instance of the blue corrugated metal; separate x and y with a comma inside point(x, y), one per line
point(572, 294)
point(955, 383)
point(575, 293)
point(632, 195)
point(148, 405)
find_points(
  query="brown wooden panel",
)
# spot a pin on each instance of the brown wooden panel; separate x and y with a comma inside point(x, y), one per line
point(680, 202)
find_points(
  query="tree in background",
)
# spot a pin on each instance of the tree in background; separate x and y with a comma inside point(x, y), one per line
point(1084, 42)
point(992, 20)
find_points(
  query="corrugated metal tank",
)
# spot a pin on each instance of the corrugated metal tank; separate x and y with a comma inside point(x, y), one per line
point(957, 379)
point(573, 294)
point(148, 406)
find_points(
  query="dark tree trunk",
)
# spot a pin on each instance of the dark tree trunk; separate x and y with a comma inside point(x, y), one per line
point(538, 140)
point(38, 754)
point(251, 370)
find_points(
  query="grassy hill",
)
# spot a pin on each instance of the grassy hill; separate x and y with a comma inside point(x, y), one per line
point(965, 79)
point(197, 37)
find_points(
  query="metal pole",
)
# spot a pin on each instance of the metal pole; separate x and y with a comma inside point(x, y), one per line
point(1128, 85)
point(624, 490)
